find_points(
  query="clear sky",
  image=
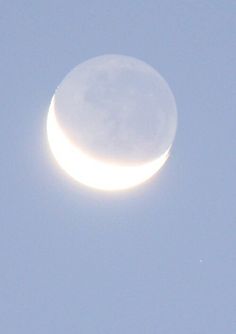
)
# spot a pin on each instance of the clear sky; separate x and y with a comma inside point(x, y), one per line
point(157, 259)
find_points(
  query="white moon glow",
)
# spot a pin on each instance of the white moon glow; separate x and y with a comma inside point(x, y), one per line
point(102, 170)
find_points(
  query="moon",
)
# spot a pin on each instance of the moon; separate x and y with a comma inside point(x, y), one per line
point(111, 122)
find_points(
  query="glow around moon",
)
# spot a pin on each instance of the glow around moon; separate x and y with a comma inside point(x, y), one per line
point(82, 141)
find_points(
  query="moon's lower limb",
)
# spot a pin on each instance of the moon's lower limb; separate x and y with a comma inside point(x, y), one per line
point(93, 172)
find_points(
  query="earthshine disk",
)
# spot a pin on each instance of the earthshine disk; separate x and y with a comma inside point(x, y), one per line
point(112, 122)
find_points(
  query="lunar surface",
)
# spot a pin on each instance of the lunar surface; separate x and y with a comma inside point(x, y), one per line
point(112, 122)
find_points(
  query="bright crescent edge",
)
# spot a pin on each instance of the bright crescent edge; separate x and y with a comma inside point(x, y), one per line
point(91, 172)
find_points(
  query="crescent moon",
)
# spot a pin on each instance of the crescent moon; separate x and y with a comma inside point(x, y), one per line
point(93, 172)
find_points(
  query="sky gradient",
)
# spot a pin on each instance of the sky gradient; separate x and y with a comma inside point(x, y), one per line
point(156, 259)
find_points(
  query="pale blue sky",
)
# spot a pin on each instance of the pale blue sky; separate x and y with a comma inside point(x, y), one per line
point(160, 258)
